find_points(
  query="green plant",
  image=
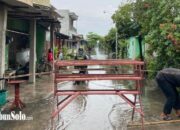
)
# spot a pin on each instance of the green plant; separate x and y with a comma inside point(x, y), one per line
point(66, 54)
point(55, 52)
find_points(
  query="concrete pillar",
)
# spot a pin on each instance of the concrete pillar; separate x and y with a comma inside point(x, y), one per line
point(3, 25)
point(52, 41)
point(52, 35)
point(32, 63)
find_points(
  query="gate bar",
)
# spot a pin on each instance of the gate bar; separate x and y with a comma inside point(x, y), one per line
point(97, 62)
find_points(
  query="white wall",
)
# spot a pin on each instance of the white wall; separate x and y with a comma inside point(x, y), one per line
point(67, 27)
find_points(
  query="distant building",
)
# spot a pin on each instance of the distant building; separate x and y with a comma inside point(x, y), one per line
point(68, 36)
point(67, 23)
point(23, 26)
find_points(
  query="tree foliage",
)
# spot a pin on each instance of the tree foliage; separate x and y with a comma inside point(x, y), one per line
point(159, 23)
point(125, 21)
point(109, 43)
point(161, 34)
point(110, 40)
point(92, 39)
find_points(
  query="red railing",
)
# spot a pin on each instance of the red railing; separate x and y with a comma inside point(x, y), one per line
point(136, 76)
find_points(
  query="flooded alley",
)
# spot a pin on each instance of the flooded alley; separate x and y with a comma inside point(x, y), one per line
point(89, 65)
point(92, 112)
point(88, 112)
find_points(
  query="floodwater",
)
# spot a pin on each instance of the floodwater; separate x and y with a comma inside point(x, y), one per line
point(86, 112)
point(95, 112)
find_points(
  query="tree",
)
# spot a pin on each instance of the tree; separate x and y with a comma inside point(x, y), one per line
point(109, 43)
point(110, 40)
point(161, 33)
point(92, 39)
point(159, 23)
point(126, 25)
point(125, 21)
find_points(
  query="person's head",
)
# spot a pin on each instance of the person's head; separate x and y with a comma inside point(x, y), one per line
point(80, 51)
point(49, 51)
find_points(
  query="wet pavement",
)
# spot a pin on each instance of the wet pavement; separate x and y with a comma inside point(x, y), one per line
point(110, 112)
point(86, 112)
point(38, 100)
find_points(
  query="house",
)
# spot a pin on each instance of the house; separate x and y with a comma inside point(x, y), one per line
point(68, 23)
point(68, 28)
point(23, 27)
point(135, 49)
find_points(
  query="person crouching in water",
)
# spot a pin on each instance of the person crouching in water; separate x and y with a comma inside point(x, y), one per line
point(168, 80)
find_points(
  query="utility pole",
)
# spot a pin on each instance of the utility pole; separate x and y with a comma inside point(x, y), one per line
point(116, 44)
point(105, 12)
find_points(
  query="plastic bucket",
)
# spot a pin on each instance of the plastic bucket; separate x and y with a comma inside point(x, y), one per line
point(3, 97)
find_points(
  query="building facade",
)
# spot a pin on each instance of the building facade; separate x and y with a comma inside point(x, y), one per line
point(68, 23)
point(23, 24)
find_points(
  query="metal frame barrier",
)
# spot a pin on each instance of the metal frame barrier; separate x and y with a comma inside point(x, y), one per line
point(136, 76)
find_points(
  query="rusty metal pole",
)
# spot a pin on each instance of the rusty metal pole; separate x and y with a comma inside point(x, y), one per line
point(72, 94)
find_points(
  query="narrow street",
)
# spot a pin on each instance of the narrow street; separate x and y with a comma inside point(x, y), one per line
point(99, 111)
point(108, 112)
point(87, 112)
point(89, 65)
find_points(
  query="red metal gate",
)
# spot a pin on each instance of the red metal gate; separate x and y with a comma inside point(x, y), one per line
point(136, 75)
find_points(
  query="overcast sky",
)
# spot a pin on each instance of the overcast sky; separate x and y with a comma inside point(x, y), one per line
point(94, 15)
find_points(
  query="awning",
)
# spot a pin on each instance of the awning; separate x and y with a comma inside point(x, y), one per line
point(20, 10)
point(18, 3)
point(61, 35)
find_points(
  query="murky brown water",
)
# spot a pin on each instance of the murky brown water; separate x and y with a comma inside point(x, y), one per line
point(94, 112)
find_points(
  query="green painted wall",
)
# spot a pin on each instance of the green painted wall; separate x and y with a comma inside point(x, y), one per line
point(15, 25)
point(18, 25)
point(40, 41)
point(133, 48)
point(24, 26)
